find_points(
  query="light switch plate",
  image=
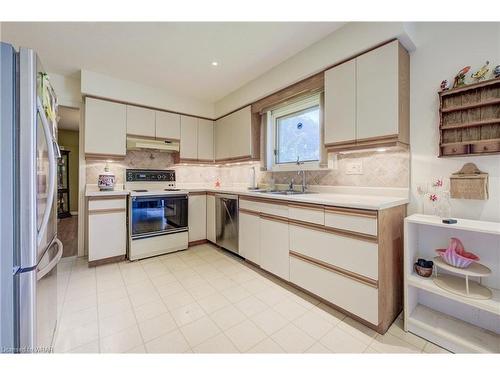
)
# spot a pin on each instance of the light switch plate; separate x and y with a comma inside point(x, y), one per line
point(354, 167)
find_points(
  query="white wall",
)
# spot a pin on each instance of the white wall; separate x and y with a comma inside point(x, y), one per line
point(442, 50)
point(349, 40)
point(128, 91)
point(67, 89)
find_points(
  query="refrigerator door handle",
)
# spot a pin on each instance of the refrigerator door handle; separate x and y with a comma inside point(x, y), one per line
point(45, 270)
point(52, 172)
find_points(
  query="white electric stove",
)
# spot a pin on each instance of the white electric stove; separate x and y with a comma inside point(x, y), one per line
point(158, 213)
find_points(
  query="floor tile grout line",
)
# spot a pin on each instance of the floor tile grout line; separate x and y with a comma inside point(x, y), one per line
point(169, 312)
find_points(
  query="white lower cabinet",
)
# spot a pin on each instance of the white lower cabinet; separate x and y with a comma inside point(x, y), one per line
point(274, 249)
point(107, 228)
point(211, 236)
point(356, 255)
point(350, 295)
point(197, 217)
point(249, 237)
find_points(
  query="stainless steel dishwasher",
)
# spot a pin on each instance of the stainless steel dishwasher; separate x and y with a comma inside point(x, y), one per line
point(226, 222)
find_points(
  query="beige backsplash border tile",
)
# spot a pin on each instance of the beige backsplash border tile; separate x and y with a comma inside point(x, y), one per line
point(380, 169)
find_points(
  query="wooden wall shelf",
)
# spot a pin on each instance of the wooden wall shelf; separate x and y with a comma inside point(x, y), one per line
point(469, 119)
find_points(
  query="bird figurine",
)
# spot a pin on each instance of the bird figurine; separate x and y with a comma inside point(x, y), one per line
point(445, 85)
point(496, 71)
point(481, 73)
point(460, 77)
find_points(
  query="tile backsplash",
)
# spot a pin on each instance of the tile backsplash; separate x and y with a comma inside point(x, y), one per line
point(380, 169)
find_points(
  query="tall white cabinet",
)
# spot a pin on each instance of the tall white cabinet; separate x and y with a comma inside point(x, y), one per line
point(233, 136)
point(274, 246)
point(168, 125)
point(141, 121)
point(205, 140)
point(189, 138)
point(340, 103)
point(367, 100)
point(107, 229)
point(197, 139)
point(105, 128)
point(211, 227)
point(197, 217)
point(249, 236)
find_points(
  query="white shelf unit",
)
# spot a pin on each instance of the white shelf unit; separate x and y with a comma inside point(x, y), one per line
point(457, 323)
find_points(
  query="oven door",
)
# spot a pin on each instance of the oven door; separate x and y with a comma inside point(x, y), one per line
point(156, 215)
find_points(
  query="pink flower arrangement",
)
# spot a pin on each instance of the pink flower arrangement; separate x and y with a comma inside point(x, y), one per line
point(433, 197)
point(438, 183)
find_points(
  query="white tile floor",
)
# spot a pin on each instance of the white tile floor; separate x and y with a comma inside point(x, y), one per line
point(204, 300)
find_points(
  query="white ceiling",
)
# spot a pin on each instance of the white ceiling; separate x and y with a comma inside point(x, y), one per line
point(69, 118)
point(174, 56)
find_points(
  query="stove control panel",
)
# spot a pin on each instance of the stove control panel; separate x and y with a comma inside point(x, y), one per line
point(147, 175)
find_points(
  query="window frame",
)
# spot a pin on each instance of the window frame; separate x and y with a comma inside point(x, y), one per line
point(273, 115)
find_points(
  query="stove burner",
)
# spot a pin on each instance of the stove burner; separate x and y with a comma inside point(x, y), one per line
point(140, 191)
point(172, 189)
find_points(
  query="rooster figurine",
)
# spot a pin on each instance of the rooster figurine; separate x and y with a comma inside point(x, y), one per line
point(481, 73)
point(496, 71)
point(460, 77)
point(445, 85)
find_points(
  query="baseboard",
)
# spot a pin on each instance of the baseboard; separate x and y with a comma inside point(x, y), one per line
point(99, 262)
point(198, 242)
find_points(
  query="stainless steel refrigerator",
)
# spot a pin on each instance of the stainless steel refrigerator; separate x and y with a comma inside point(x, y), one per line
point(29, 248)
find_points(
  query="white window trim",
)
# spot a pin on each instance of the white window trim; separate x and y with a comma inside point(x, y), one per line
point(300, 105)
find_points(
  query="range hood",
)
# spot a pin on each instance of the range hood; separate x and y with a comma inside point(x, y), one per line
point(152, 144)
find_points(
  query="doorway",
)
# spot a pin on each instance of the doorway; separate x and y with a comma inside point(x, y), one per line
point(67, 179)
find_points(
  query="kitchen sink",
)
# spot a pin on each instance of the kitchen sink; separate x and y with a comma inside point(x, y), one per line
point(285, 192)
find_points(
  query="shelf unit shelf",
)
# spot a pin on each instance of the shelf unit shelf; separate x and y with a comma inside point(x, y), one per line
point(452, 333)
point(469, 119)
point(491, 305)
point(470, 106)
point(470, 124)
point(449, 317)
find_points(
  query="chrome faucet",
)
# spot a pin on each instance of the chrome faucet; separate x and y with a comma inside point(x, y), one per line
point(303, 172)
point(290, 185)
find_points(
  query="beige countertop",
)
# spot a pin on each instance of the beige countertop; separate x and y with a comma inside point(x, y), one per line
point(361, 201)
point(93, 191)
point(358, 199)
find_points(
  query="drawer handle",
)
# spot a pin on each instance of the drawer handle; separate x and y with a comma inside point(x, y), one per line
point(453, 150)
point(485, 148)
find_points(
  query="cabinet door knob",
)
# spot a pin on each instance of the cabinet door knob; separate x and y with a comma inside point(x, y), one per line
point(485, 148)
point(453, 150)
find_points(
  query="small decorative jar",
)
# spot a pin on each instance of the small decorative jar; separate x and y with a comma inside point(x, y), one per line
point(106, 179)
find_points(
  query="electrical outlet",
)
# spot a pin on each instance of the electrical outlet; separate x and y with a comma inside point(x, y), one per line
point(333, 162)
point(354, 167)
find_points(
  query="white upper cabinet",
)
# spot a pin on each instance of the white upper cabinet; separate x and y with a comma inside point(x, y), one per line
point(377, 92)
point(222, 139)
point(105, 128)
point(205, 140)
point(168, 125)
point(189, 138)
point(233, 135)
point(367, 100)
point(140, 121)
point(340, 103)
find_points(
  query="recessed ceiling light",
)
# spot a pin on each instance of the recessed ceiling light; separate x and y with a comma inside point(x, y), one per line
point(215, 63)
point(381, 149)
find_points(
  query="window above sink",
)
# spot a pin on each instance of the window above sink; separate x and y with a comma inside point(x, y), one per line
point(294, 135)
